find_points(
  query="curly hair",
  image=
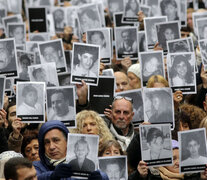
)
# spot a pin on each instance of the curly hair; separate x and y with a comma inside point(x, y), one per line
point(107, 144)
point(104, 132)
point(156, 79)
point(195, 113)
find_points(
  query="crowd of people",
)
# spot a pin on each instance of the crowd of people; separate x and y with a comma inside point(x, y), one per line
point(40, 150)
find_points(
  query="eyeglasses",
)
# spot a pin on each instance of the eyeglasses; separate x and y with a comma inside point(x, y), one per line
point(123, 97)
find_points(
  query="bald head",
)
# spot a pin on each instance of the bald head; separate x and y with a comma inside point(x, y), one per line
point(122, 82)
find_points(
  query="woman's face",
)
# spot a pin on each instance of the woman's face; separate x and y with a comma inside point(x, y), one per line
point(151, 65)
point(181, 69)
point(31, 150)
point(111, 151)
point(175, 167)
point(134, 81)
point(169, 35)
point(90, 126)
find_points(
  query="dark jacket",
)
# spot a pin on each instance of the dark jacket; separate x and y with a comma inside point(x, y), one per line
point(43, 167)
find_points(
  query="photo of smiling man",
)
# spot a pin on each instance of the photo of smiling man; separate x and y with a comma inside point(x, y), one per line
point(8, 59)
point(86, 60)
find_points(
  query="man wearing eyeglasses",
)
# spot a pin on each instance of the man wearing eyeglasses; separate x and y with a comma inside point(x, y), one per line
point(121, 118)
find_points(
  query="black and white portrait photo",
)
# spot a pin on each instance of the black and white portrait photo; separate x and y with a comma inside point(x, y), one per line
point(18, 32)
point(131, 8)
point(12, 19)
point(3, 13)
point(203, 50)
point(59, 18)
point(115, 6)
point(142, 41)
point(14, 6)
point(152, 63)
point(158, 105)
point(64, 79)
point(195, 16)
point(24, 60)
point(52, 51)
point(193, 152)
point(82, 153)
point(32, 46)
point(36, 3)
point(170, 8)
point(114, 167)
point(155, 7)
point(39, 36)
point(85, 63)
point(156, 145)
point(101, 37)
point(181, 72)
point(126, 39)
point(150, 29)
point(8, 59)
point(61, 105)
point(100, 6)
point(136, 95)
point(2, 89)
point(31, 101)
point(37, 19)
point(89, 17)
point(179, 45)
point(202, 28)
point(166, 32)
point(44, 73)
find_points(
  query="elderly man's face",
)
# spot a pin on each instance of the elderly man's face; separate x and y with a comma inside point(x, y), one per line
point(122, 82)
point(81, 150)
point(55, 144)
point(59, 104)
point(50, 54)
point(86, 60)
point(4, 56)
point(122, 113)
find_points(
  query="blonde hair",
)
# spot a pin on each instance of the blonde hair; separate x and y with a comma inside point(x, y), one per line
point(157, 79)
point(104, 132)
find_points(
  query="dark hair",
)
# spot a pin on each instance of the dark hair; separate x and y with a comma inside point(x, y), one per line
point(177, 60)
point(165, 3)
point(27, 89)
point(37, 71)
point(31, 135)
point(24, 57)
point(192, 137)
point(129, 3)
point(13, 164)
point(100, 33)
point(89, 13)
point(154, 133)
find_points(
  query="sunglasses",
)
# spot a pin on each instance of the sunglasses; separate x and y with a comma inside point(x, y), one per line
point(123, 97)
